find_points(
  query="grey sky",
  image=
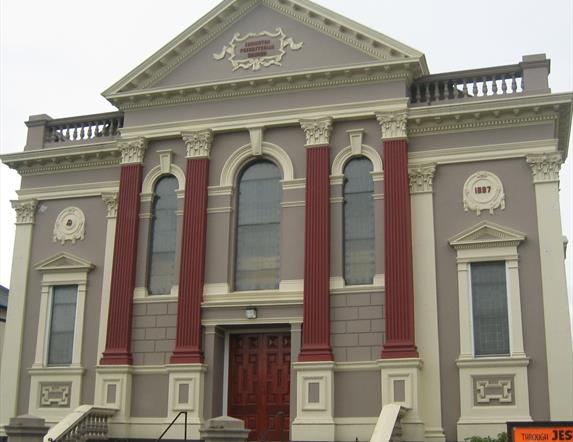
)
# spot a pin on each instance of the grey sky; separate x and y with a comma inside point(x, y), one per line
point(57, 57)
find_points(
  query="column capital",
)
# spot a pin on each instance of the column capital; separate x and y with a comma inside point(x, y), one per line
point(393, 124)
point(422, 178)
point(317, 131)
point(132, 150)
point(198, 143)
point(25, 211)
point(110, 200)
point(545, 166)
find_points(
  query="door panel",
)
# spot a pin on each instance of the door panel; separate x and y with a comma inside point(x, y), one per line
point(259, 384)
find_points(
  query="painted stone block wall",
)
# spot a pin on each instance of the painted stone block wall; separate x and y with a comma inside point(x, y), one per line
point(153, 332)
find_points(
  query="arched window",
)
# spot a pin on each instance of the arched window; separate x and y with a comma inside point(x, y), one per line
point(161, 270)
point(359, 254)
point(257, 258)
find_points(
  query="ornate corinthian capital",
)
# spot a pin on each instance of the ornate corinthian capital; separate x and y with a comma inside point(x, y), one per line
point(545, 167)
point(198, 143)
point(25, 211)
point(422, 178)
point(110, 201)
point(132, 151)
point(393, 124)
point(317, 131)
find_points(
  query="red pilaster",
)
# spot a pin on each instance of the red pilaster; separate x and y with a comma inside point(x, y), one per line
point(117, 349)
point(316, 332)
point(188, 340)
point(399, 340)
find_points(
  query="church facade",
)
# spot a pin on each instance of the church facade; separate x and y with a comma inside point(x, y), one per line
point(289, 220)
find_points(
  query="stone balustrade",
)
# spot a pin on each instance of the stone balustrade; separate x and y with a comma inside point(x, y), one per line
point(470, 84)
point(86, 422)
point(84, 128)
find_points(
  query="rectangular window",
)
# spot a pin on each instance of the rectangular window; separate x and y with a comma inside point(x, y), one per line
point(62, 323)
point(489, 308)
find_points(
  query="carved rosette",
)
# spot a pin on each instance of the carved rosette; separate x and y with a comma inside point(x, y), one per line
point(317, 131)
point(483, 190)
point(393, 124)
point(25, 211)
point(545, 167)
point(70, 225)
point(422, 178)
point(110, 201)
point(132, 151)
point(198, 143)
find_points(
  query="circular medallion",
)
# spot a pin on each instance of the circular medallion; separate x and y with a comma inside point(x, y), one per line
point(483, 191)
point(70, 225)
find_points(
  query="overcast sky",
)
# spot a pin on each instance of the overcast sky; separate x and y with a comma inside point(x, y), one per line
point(57, 56)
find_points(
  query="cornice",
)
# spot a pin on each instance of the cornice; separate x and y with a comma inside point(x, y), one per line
point(268, 85)
point(63, 159)
point(494, 113)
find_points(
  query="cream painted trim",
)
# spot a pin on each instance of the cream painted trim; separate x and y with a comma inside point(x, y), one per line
point(219, 209)
point(216, 288)
point(154, 299)
point(287, 204)
point(426, 311)
point(378, 196)
point(251, 322)
point(14, 328)
point(220, 190)
point(348, 153)
point(69, 190)
point(283, 117)
point(356, 366)
point(157, 172)
point(119, 376)
point(69, 375)
point(191, 376)
point(336, 199)
point(336, 180)
point(291, 285)
point(240, 156)
point(297, 183)
point(338, 285)
point(106, 285)
point(555, 302)
point(481, 153)
point(255, 299)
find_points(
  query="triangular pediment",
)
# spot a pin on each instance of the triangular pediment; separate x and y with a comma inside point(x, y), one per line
point(301, 37)
point(64, 261)
point(486, 234)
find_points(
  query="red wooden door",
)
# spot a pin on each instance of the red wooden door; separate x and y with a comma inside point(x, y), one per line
point(259, 384)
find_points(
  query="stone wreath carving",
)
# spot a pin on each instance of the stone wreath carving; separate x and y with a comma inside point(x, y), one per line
point(70, 225)
point(257, 50)
point(483, 191)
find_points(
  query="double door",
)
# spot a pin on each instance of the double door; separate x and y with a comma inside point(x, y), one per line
point(259, 384)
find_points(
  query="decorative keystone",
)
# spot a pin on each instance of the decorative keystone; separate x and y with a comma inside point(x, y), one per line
point(317, 131)
point(25, 211)
point(132, 151)
point(545, 167)
point(422, 178)
point(393, 124)
point(110, 201)
point(198, 143)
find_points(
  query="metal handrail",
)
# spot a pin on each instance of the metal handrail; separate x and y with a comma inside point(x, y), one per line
point(171, 424)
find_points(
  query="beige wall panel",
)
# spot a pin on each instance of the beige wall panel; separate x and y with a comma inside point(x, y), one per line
point(292, 140)
point(266, 103)
point(292, 243)
point(481, 137)
point(218, 258)
point(319, 51)
point(339, 139)
point(519, 214)
point(223, 146)
point(91, 249)
point(149, 395)
point(360, 392)
point(80, 176)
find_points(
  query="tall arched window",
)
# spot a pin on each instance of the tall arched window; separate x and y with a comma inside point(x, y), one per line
point(257, 262)
point(161, 271)
point(359, 254)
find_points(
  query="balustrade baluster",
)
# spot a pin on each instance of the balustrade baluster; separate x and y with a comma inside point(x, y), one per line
point(513, 83)
point(82, 130)
point(475, 87)
point(522, 84)
point(503, 84)
point(494, 84)
point(465, 87)
point(484, 86)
